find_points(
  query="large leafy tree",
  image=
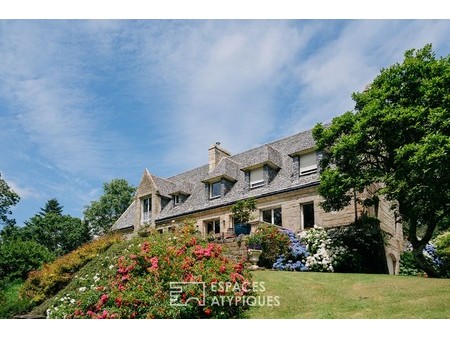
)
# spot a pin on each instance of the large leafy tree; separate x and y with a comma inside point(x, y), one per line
point(101, 214)
point(397, 138)
point(8, 198)
point(57, 232)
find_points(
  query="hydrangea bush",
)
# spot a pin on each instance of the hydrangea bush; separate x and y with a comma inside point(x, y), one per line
point(296, 257)
point(137, 283)
point(408, 266)
point(325, 254)
point(312, 250)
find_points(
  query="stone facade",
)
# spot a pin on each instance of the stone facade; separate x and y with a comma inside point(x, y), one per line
point(283, 188)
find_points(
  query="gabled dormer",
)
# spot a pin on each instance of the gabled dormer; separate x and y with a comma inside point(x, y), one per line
point(152, 196)
point(221, 179)
point(262, 167)
point(304, 162)
point(181, 192)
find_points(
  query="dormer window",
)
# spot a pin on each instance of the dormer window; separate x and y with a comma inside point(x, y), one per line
point(257, 177)
point(177, 199)
point(308, 163)
point(146, 209)
point(214, 189)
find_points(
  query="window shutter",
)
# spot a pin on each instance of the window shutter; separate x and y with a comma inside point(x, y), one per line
point(256, 176)
point(308, 163)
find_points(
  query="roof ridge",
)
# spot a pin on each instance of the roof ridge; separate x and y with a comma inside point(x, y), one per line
point(244, 152)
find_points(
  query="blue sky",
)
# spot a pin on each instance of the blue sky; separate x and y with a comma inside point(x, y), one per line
point(83, 102)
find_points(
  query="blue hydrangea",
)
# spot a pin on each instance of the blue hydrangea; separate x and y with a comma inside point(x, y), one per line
point(294, 261)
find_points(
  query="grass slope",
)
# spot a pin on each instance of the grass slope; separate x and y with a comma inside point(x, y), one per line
point(334, 295)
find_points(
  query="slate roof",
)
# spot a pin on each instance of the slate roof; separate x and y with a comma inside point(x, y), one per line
point(226, 168)
point(275, 153)
point(192, 182)
point(126, 220)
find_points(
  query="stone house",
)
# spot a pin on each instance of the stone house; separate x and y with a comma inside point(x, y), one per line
point(283, 178)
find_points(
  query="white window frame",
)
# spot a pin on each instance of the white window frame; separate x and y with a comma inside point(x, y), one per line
point(257, 183)
point(272, 215)
point(146, 215)
point(307, 169)
point(211, 196)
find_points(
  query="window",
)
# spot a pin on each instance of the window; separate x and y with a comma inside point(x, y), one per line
point(146, 209)
point(308, 163)
point(214, 189)
point(257, 177)
point(213, 226)
point(177, 199)
point(272, 216)
point(308, 215)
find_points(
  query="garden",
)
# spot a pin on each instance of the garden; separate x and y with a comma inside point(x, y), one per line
point(183, 275)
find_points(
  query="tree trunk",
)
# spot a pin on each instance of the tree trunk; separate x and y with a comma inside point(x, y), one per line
point(423, 263)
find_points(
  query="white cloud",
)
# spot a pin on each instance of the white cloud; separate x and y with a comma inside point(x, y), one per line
point(222, 79)
point(349, 62)
point(46, 74)
point(23, 192)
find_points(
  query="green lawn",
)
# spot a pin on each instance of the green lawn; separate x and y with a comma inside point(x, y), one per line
point(334, 295)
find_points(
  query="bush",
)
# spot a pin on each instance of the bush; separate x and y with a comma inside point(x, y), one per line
point(137, 284)
point(18, 258)
point(409, 267)
point(443, 251)
point(54, 276)
point(325, 254)
point(10, 302)
point(295, 258)
point(273, 242)
point(365, 241)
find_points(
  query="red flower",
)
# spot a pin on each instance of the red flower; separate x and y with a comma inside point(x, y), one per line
point(207, 311)
point(104, 299)
point(222, 269)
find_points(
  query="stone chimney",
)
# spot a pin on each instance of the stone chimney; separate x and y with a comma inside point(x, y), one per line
point(216, 153)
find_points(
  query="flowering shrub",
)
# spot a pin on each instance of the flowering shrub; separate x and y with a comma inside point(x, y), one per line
point(295, 258)
point(54, 276)
point(325, 254)
point(408, 265)
point(137, 284)
point(443, 250)
point(273, 243)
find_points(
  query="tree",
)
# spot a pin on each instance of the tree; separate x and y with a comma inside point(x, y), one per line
point(57, 232)
point(8, 198)
point(397, 138)
point(243, 209)
point(19, 257)
point(102, 214)
point(52, 206)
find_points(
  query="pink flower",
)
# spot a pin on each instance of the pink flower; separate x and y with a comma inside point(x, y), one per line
point(154, 261)
point(104, 299)
point(222, 269)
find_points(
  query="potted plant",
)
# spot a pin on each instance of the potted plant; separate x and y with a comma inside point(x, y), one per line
point(242, 212)
point(254, 250)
